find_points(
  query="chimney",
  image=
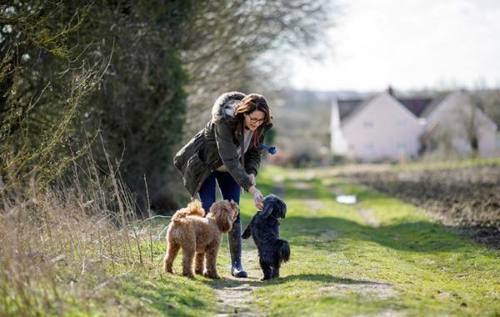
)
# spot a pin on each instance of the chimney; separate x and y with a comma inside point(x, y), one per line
point(390, 90)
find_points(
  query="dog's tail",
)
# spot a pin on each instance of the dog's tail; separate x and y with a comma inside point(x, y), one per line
point(193, 209)
point(248, 230)
point(284, 250)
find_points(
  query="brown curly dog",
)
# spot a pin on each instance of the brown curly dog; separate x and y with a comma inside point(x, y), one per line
point(199, 237)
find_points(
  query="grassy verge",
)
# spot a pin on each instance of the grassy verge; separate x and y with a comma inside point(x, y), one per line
point(61, 258)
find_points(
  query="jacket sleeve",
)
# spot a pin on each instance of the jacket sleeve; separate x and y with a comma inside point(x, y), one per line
point(252, 160)
point(228, 152)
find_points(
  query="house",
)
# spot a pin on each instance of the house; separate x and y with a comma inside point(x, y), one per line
point(456, 125)
point(377, 128)
point(388, 127)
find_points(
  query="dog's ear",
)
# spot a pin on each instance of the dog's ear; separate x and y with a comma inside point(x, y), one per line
point(233, 209)
point(234, 205)
point(223, 217)
point(225, 222)
point(282, 209)
point(268, 209)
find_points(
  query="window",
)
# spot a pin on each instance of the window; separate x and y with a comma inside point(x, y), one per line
point(368, 124)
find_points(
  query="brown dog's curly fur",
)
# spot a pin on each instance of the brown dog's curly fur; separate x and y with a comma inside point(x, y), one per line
point(199, 237)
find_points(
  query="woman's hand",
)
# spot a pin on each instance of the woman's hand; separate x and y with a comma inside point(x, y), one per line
point(257, 197)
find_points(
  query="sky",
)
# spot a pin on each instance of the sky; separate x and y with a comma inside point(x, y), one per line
point(408, 44)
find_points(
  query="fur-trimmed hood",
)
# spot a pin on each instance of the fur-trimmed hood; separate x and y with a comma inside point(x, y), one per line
point(224, 105)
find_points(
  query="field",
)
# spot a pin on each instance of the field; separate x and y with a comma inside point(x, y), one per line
point(466, 196)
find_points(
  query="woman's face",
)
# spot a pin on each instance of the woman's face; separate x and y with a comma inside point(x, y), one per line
point(254, 119)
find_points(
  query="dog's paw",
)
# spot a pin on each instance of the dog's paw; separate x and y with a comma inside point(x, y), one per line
point(211, 275)
point(199, 272)
point(190, 275)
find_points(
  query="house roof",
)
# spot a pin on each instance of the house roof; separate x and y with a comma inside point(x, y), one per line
point(438, 101)
point(421, 107)
point(415, 105)
point(347, 107)
point(433, 105)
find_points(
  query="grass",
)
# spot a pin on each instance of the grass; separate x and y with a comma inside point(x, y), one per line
point(416, 166)
point(378, 257)
point(60, 258)
point(473, 162)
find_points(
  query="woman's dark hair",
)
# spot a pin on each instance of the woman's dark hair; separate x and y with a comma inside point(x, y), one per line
point(249, 104)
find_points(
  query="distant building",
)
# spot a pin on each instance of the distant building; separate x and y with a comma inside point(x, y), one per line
point(386, 127)
point(455, 124)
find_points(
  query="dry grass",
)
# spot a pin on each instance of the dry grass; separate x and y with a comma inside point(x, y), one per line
point(61, 248)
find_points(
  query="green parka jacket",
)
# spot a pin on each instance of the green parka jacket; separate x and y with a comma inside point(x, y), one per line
point(218, 144)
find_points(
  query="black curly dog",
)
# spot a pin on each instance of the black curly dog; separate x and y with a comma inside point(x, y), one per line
point(264, 228)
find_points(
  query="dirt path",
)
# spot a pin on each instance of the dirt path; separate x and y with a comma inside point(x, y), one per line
point(234, 294)
point(369, 217)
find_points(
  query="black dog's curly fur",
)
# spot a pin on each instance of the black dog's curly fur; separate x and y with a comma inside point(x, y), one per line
point(264, 228)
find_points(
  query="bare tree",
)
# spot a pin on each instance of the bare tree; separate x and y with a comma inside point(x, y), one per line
point(489, 102)
point(223, 45)
point(470, 122)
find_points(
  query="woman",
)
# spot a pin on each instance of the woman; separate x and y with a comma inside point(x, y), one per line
point(227, 151)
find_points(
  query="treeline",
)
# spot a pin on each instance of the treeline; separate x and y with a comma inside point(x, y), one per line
point(112, 86)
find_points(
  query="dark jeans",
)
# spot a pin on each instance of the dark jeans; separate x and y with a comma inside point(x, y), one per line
point(229, 188)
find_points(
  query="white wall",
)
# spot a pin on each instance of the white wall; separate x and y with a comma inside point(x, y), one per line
point(338, 144)
point(382, 129)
